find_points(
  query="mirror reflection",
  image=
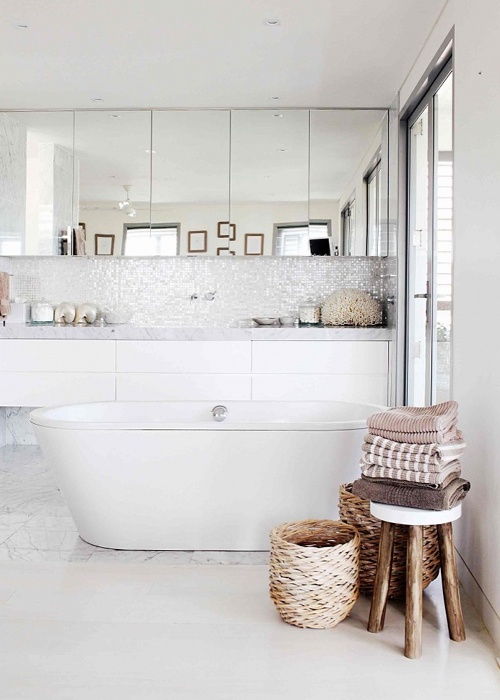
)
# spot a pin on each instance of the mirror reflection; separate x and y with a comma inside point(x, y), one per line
point(112, 169)
point(203, 182)
point(269, 181)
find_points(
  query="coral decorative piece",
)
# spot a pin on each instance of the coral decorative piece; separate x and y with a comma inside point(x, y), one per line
point(351, 307)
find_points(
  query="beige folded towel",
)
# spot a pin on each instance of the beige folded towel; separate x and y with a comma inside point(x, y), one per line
point(404, 455)
point(407, 465)
point(417, 424)
point(447, 473)
point(410, 496)
point(4, 294)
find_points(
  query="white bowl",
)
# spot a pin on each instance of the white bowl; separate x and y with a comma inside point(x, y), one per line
point(116, 317)
point(265, 320)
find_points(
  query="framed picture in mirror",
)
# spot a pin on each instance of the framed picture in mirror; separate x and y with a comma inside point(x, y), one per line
point(197, 241)
point(254, 244)
point(226, 230)
point(224, 251)
point(104, 243)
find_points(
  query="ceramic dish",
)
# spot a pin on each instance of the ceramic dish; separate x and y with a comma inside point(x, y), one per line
point(265, 321)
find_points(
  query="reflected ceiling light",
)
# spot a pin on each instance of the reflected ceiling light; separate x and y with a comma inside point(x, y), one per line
point(272, 22)
point(112, 116)
point(97, 99)
point(148, 150)
point(125, 205)
point(277, 115)
point(275, 98)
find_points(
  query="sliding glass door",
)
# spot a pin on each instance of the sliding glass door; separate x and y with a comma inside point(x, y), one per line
point(430, 239)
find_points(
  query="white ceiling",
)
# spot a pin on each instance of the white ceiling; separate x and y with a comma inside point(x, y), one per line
point(209, 53)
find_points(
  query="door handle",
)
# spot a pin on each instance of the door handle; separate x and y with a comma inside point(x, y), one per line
point(420, 296)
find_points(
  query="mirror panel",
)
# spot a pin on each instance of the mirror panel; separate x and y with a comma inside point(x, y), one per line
point(269, 179)
point(190, 186)
point(112, 156)
point(347, 168)
point(36, 195)
point(199, 182)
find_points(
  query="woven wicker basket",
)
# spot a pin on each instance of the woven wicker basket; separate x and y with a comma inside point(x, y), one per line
point(314, 568)
point(356, 511)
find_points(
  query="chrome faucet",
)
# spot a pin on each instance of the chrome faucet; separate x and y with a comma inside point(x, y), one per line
point(219, 413)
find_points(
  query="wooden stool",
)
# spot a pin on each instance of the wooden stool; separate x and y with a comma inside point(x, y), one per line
point(416, 519)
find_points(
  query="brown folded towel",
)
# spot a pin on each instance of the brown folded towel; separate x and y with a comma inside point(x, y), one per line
point(436, 479)
point(4, 294)
point(404, 455)
point(410, 496)
point(417, 424)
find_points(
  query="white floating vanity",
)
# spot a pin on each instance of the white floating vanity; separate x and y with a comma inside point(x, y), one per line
point(135, 364)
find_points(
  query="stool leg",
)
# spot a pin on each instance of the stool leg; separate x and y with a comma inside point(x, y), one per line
point(450, 583)
point(413, 615)
point(382, 578)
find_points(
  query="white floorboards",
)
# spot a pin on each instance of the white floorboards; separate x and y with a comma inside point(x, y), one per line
point(78, 622)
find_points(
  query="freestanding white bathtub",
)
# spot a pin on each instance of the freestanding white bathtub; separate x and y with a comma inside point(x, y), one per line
point(154, 475)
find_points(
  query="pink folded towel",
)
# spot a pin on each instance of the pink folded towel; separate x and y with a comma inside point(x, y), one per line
point(4, 293)
point(417, 424)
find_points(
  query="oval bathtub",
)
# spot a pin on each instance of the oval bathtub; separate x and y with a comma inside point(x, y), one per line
point(165, 475)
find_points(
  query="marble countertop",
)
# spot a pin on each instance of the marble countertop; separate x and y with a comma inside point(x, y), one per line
point(127, 332)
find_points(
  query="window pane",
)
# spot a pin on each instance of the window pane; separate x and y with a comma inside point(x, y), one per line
point(155, 241)
point(443, 106)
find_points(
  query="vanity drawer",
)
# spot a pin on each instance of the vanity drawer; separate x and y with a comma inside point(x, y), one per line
point(183, 387)
point(320, 387)
point(183, 357)
point(57, 356)
point(52, 388)
point(316, 357)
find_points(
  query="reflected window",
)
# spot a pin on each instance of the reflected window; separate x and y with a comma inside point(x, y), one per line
point(146, 240)
point(374, 209)
point(301, 238)
point(348, 217)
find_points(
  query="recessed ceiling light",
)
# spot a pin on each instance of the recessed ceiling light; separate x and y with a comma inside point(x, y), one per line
point(112, 116)
point(282, 150)
point(21, 25)
point(97, 99)
point(275, 98)
point(272, 22)
point(277, 115)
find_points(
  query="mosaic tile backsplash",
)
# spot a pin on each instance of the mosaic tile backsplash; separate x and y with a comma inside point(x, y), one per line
point(158, 291)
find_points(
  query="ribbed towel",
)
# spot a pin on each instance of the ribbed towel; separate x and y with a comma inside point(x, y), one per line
point(410, 496)
point(435, 480)
point(4, 294)
point(417, 424)
point(404, 455)
point(428, 480)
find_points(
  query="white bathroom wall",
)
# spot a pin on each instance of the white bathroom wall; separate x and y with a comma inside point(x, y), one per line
point(476, 332)
point(158, 290)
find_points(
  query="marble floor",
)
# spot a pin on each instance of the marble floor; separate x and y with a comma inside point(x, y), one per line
point(83, 623)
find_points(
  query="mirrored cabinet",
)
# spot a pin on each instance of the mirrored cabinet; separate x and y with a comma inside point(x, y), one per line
point(292, 182)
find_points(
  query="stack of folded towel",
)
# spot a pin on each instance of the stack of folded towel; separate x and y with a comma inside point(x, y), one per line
point(412, 458)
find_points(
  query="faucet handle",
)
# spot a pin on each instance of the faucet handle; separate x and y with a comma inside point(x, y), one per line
point(210, 296)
